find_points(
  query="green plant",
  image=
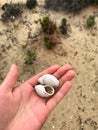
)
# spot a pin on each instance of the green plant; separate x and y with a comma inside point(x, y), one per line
point(64, 21)
point(51, 40)
point(48, 26)
point(50, 32)
point(91, 21)
point(63, 26)
point(47, 42)
point(31, 3)
point(30, 57)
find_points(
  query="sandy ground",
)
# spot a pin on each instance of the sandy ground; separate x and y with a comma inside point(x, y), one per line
point(79, 109)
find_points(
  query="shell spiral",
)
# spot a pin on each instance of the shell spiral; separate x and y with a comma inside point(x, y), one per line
point(49, 79)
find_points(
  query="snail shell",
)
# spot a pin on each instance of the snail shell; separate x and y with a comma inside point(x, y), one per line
point(44, 90)
point(49, 79)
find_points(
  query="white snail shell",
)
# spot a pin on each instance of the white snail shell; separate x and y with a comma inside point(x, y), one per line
point(44, 90)
point(49, 79)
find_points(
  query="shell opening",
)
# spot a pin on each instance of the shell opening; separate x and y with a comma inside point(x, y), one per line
point(49, 89)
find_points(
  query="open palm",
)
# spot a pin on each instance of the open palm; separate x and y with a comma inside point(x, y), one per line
point(21, 108)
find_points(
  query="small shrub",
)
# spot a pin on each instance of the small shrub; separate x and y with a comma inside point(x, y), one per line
point(30, 57)
point(67, 5)
point(31, 4)
point(63, 26)
point(64, 21)
point(48, 26)
point(91, 21)
point(11, 11)
point(48, 43)
point(95, 1)
point(51, 40)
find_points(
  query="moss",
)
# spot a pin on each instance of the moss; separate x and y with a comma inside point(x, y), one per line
point(30, 57)
point(31, 4)
point(91, 21)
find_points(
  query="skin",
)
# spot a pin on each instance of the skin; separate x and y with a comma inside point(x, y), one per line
point(21, 108)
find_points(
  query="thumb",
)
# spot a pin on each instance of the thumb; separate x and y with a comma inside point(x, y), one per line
point(11, 78)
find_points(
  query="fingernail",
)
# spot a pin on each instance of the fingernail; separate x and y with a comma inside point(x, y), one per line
point(12, 66)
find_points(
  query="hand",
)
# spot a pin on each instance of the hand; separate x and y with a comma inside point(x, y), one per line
point(21, 108)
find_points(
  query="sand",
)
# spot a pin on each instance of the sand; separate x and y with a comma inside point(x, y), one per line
point(79, 109)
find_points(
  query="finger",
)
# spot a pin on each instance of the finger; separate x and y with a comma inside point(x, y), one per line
point(50, 70)
point(11, 78)
point(52, 102)
point(61, 71)
point(67, 77)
